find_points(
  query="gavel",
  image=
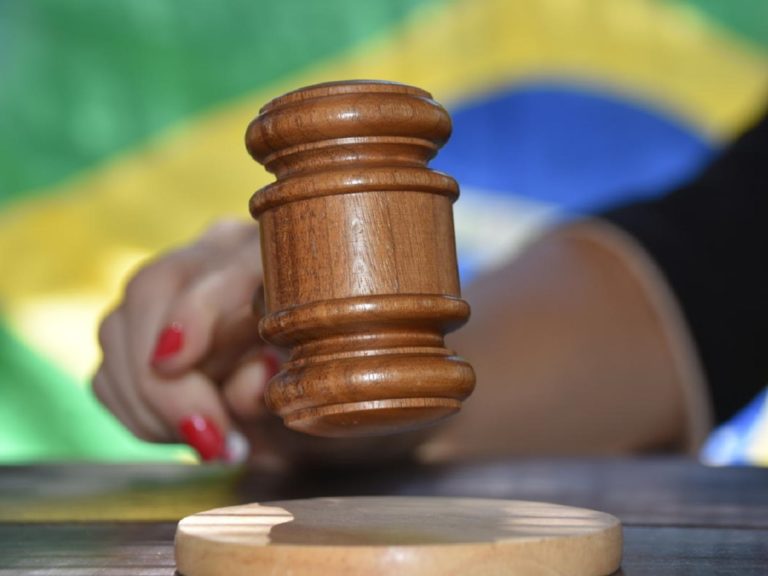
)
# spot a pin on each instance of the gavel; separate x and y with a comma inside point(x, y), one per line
point(360, 276)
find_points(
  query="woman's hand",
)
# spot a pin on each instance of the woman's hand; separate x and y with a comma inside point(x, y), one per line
point(182, 360)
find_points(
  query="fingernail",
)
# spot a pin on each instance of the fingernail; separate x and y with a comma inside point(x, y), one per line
point(204, 436)
point(271, 364)
point(169, 342)
point(237, 449)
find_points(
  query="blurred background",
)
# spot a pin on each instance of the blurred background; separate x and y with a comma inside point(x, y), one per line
point(122, 123)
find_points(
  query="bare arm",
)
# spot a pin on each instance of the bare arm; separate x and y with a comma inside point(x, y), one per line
point(577, 349)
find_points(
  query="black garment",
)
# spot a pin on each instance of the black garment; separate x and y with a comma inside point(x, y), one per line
point(710, 239)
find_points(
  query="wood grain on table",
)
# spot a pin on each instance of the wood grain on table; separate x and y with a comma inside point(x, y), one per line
point(679, 517)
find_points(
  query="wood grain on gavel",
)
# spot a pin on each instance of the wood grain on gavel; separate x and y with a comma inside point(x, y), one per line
point(360, 273)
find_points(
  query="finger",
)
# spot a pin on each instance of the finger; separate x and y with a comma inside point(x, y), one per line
point(147, 298)
point(129, 344)
point(118, 382)
point(215, 307)
point(244, 390)
point(229, 233)
point(104, 392)
point(193, 405)
point(188, 405)
point(234, 338)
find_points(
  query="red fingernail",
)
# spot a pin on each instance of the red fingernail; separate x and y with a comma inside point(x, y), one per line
point(169, 343)
point(271, 363)
point(204, 436)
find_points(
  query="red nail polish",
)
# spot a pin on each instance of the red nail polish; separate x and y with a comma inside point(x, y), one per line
point(204, 436)
point(271, 363)
point(169, 342)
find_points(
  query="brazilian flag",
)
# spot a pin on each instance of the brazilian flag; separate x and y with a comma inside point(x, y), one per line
point(122, 122)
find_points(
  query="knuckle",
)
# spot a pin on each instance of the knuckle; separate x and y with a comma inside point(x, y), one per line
point(144, 281)
point(107, 329)
point(201, 298)
point(98, 387)
point(223, 228)
point(227, 233)
point(155, 280)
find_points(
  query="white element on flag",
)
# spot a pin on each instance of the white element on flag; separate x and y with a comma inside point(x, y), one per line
point(492, 227)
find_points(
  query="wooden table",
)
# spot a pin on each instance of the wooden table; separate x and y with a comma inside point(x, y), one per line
point(114, 520)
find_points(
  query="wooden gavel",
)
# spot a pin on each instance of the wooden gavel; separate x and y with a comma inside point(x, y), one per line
point(360, 274)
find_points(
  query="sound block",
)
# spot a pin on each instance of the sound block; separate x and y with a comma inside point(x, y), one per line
point(399, 535)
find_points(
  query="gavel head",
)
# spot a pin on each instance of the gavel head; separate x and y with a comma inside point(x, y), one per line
point(360, 274)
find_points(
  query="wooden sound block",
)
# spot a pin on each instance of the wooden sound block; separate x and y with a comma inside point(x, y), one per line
point(399, 535)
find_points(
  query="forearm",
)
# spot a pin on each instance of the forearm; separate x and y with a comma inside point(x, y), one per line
point(574, 353)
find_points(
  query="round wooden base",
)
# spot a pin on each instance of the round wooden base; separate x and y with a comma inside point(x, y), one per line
point(399, 535)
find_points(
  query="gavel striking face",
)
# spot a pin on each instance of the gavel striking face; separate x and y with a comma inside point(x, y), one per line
point(360, 274)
